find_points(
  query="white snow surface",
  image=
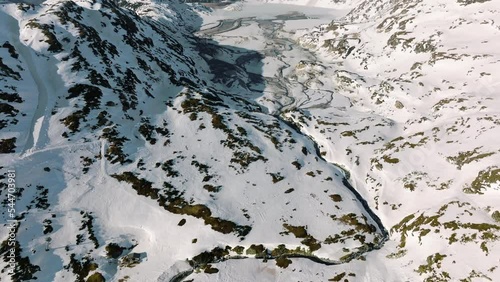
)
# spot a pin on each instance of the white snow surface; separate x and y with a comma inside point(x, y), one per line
point(141, 124)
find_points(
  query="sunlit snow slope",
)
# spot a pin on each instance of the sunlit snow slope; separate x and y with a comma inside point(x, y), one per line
point(143, 152)
point(421, 135)
point(160, 141)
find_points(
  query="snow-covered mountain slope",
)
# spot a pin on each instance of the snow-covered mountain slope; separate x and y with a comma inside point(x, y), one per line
point(140, 152)
point(336, 4)
point(161, 141)
point(420, 136)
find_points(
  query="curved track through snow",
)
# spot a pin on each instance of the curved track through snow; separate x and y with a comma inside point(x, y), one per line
point(39, 115)
point(41, 108)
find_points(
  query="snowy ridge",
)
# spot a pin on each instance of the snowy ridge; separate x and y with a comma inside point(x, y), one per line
point(337, 4)
point(419, 134)
point(112, 162)
point(161, 141)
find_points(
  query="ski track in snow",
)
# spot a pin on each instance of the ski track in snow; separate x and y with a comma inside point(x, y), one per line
point(103, 159)
point(37, 136)
point(39, 116)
